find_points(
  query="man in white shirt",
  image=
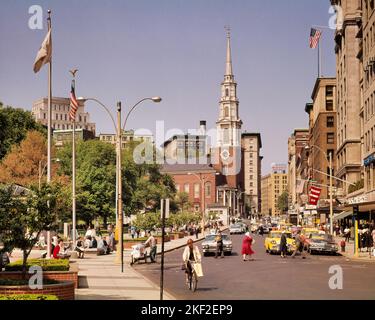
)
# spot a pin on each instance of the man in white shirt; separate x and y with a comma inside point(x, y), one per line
point(151, 241)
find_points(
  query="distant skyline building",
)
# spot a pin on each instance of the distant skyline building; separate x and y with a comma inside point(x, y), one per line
point(128, 136)
point(60, 114)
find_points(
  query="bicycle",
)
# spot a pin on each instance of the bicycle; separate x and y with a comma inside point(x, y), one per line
point(192, 277)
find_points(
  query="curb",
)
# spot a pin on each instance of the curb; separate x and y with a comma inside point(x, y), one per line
point(166, 293)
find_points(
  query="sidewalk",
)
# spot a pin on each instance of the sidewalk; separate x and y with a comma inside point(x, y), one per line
point(349, 251)
point(100, 278)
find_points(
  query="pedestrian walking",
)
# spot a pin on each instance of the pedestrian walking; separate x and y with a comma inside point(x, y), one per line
point(197, 232)
point(347, 234)
point(261, 230)
point(247, 250)
point(283, 245)
point(300, 245)
point(219, 245)
point(132, 231)
point(151, 241)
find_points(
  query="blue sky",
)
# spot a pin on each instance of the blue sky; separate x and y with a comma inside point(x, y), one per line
point(127, 50)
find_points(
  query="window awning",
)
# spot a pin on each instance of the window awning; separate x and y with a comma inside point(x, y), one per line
point(342, 215)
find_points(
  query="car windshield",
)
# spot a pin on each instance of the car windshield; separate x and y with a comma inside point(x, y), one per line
point(235, 226)
point(212, 237)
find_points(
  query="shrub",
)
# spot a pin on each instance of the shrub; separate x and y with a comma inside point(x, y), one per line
point(28, 297)
point(22, 282)
point(47, 265)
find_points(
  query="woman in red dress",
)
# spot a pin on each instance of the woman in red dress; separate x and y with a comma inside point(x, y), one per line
point(246, 247)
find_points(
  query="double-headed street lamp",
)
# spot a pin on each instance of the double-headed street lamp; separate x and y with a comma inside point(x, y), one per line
point(329, 160)
point(117, 127)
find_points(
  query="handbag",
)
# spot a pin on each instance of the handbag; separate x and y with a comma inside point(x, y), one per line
point(198, 269)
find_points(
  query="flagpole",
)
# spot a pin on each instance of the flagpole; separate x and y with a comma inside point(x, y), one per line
point(49, 143)
point(74, 179)
point(319, 60)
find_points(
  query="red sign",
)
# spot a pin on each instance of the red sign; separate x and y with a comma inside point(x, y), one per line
point(314, 195)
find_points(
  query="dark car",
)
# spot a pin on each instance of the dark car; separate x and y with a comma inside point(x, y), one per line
point(324, 244)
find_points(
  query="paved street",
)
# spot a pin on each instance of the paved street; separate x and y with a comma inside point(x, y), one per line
point(268, 277)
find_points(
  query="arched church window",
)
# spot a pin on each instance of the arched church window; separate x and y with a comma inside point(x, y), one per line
point(226, 112)
point(227, 92)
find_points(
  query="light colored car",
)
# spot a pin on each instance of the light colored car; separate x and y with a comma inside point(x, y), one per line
point(209, 244)
point(236, 229)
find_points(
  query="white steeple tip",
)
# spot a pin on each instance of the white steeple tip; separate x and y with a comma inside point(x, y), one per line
point(228, 67)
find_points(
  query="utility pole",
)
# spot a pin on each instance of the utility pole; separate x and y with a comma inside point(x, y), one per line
point(164, 215)
point(330, 194)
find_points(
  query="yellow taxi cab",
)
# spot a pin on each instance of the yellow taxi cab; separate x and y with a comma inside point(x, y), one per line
point(272, 242)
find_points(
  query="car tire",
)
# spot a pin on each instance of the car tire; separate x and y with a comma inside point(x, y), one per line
point(205, 254)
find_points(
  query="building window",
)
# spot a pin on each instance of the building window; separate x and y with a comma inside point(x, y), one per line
point(186, 188)
point(177, 187)
point(330, 122)
point(329, 91)
point(227, 92)
point(57, 116)
point(329, 105)
point(208, 190)
point(330, 138)
point(65, 117)
point(44, 116)
point(226, 112)
point(196, 190)
point(251, 177)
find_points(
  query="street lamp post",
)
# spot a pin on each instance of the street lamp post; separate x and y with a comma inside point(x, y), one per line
point(119, 220)
point(329, 160)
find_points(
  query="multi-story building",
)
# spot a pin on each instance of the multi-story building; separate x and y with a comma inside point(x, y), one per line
point(127, 137)
point(60, 114)
point(61, 137)
point(296, 144)
point(322, 132)
point(273, 186)
point(187, 148)
point(349, 90)
point(198, 181)
point(251, 170)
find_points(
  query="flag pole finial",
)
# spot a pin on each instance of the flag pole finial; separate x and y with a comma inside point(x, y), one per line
point(73, 72)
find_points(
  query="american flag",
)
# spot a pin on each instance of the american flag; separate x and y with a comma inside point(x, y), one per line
point(73, 102)
point(314, 195)
point(314, 37)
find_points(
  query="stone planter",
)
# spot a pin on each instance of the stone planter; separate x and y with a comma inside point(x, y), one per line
point(175, 236)
point(166, 239)
point(63, 290)
point(71, 275)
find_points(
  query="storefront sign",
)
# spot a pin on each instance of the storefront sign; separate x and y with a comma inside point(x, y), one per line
point(356, 200)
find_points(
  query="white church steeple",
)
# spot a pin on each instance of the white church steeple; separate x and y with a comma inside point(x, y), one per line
point(229, 123)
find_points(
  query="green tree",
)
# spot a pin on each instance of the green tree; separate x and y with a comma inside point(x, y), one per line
point(282, 202)
point(182, 200)
point(95, 178)
point(24, 217)
point(14, 124)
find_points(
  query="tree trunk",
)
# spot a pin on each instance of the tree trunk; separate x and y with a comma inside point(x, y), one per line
point(24, 264)
point(105, 222)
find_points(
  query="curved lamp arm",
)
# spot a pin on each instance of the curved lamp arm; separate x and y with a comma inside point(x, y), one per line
point(155, 99)
point(102, 105)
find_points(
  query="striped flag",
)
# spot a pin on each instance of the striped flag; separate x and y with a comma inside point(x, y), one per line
point(314, 37)
point(73, 103)
point(314, 195)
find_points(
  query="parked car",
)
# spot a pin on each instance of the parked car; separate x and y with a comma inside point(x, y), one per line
point(236, 229)
point(209, 244)
point(272, 242)
point(323, 244)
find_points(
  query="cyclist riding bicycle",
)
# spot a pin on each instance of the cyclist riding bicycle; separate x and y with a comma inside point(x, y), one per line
point(191, 255)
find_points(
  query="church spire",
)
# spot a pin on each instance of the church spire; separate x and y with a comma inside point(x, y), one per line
point(228, 68)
